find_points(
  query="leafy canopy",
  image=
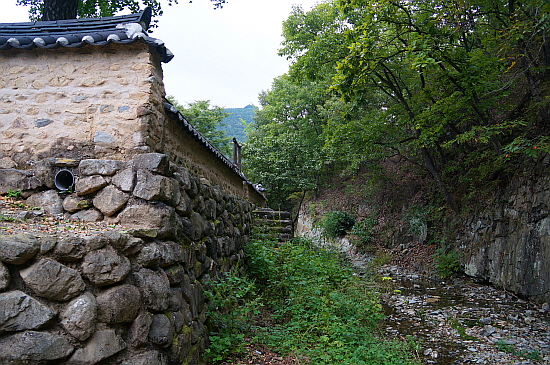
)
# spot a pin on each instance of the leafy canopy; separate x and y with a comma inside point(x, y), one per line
point(100, 8)
point(456, 88)
point(207, 119)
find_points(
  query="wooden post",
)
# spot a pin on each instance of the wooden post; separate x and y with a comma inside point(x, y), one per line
point(237, 153)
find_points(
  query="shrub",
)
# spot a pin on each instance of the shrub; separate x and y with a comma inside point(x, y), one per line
point(324, 312)
point(447, 261)
point(233, 305)
point(14, 193)
point(363, 230)
point(336, 223)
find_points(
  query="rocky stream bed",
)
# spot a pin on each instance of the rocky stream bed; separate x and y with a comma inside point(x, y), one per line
point(458, 321)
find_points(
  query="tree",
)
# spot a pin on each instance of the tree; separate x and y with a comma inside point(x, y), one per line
point(452, 73)
point(70, 9)
point(207, 119)
point(455, 86)
point(284, 149)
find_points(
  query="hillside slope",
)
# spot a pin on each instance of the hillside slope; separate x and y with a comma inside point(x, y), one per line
point(232, 124)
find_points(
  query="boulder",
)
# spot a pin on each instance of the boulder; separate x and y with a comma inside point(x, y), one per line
point(150, 255)
point(110, 200)
point(96, 242)
point(33, 347)
point(210, 209)
point(45, 172)
point(50, 201)
point(22, 312)
point(73, 203)
point(124, 242)
point(175, 273)
point(90, 184)
point(183, 177)
point(200, 226)
point(4, 277)
point(80, 316)
point(182, 345)
point(13, 180)
point(118, 304)
point(139, 330)
point(105, 267)
point(155, 289)
point(161, 331)
point(152, 216)
point(52, 280)
point(155, 162)
point(70, 249)
point(101, 345)
point(176, 299)
point(125, 180)
point(184, 207)
point(88, 215)
point(160, 253)
point(7, 163)
point(157, 187)
point(99, 167)
point(18, 248)
point(148, 358)
point(178, 320)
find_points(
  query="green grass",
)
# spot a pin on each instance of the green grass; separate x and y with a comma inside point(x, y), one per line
point(321, 311)
point(504, 347)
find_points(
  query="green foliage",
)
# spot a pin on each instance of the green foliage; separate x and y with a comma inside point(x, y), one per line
point(455, 87)
point(325, 313)
point(511, 349)
point(447, 261)
point(207, 119)
point(233, 304)
point(101, 8)
point(14, 193)
point(363, 230)
point(336, 223)
point(235, 123)
point(283, 151)
point(459, 327)
point(7, 218)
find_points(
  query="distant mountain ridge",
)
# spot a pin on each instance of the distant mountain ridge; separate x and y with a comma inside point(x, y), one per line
point(233, 127)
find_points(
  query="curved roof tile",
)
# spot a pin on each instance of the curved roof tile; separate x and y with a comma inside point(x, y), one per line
point(190, 130)
point(122, 29)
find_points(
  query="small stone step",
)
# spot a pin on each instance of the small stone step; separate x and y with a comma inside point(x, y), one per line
point(274, 224)
point(285, 237)
point(280, 229)
point(271, 214)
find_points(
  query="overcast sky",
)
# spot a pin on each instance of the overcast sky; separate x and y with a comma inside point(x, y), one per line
point(226, 55)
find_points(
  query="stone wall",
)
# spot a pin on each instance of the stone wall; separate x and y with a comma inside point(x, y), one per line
point(132, 293)
point(98, 102)
point(91, 102)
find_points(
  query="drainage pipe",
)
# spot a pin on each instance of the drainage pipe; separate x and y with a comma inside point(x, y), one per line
point(64, 180)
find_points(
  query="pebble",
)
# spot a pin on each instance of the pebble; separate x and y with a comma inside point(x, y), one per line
point(461, 322)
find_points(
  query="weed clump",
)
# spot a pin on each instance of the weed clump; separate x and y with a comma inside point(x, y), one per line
point(336, 223)
point(321, 311)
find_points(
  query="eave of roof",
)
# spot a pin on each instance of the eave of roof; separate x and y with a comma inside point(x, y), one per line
point(72, 33)
point(197, 136)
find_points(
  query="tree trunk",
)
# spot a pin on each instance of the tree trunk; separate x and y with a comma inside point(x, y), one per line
point(435, 174)
point(60, 9)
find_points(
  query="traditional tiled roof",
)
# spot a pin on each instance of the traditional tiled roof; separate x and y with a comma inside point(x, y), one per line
point(81, 32)
point(197, 136)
